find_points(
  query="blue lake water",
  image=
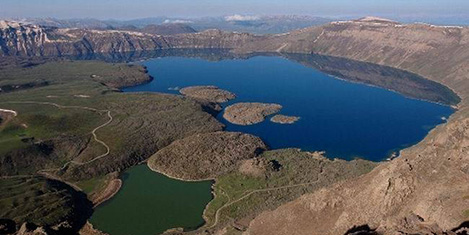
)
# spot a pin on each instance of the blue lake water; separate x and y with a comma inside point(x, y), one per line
point(344, 119)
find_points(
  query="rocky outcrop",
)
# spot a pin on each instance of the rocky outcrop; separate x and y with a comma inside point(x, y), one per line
point(206, 156)
point(249, 113)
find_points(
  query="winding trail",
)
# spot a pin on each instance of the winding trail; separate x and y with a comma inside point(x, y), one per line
point(93, 132)
point(249, 193)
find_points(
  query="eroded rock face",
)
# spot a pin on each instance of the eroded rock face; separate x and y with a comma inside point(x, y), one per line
point(25, 39)
point(208, 93)
point(206, 156)
point(283, 119)
point(249, 113)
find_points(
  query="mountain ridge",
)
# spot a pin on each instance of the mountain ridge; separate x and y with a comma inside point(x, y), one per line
point(34, 40)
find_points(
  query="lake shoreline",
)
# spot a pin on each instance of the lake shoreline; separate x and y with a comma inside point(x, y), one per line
point(112, 188)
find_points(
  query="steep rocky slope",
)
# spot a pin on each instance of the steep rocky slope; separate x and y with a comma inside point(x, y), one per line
point(16, 38)
point(424, 190)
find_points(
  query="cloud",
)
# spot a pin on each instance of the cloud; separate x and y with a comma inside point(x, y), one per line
point(177, 21)
point(241, 18)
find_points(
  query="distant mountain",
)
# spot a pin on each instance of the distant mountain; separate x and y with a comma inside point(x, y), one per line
point(258, 24)
point(168, 29)
point(70, 23)
point(238, 23)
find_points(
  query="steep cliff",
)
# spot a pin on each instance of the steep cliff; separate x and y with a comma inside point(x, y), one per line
point(32, 40)
point(17, 38)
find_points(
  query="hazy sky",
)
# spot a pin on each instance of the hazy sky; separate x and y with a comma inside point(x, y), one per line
point(127, 9)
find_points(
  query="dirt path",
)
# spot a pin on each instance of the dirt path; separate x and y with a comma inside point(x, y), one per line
point(108, 150)
point(249, 193)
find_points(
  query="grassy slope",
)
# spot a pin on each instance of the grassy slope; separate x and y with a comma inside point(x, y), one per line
point(42, 201)
point(44, 137)
point(296, 168)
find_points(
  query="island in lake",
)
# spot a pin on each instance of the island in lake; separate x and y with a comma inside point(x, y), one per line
point(249, 113)
point(284, 119)
point(208, 93)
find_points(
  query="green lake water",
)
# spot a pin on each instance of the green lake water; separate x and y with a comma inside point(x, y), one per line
point(150, 203)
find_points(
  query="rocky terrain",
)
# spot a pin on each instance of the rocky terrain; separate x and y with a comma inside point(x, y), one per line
point(31, 40)
point(205, 156)
point(249, 113)
point(283, 119)
point(208, 93)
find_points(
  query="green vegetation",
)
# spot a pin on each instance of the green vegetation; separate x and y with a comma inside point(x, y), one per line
point(287, 174)
point(94, 184)
point(60, 105)
point(42, 201)
point(45, 136)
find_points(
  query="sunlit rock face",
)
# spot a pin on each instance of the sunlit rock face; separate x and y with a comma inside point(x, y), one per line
point(24, 39)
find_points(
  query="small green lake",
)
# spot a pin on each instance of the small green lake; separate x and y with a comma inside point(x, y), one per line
point(151, 203)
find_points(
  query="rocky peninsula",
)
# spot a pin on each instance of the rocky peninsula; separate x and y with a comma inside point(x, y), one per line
point(284, 119)
point(208, 93)
point(249, 113)
point(206, 156)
